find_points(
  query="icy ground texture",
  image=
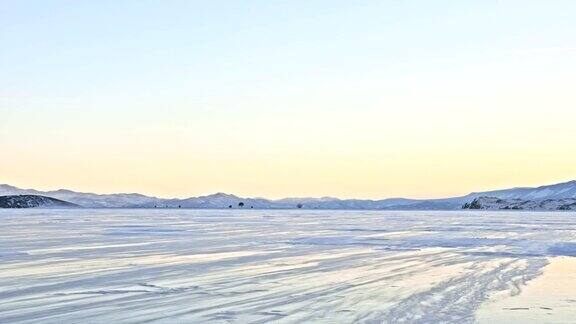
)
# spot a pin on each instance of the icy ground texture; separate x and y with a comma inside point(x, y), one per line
point(197, 266)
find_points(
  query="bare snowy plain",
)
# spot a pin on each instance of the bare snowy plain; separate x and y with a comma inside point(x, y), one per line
point(260, 266)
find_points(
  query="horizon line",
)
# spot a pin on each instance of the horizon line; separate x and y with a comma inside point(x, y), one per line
point(288, 197)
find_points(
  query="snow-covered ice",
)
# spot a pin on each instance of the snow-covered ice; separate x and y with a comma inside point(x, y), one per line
point(549, 298)
point(258, 266)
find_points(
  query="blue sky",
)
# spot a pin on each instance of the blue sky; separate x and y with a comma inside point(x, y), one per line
point(351, 98)
point(198, 49)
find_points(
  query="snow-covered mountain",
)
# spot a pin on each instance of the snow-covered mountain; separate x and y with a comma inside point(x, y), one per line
point(32, 201)
point(555, 191)
point(223, 200)
point(83, 198)
point(218, 200)
point(521, 204)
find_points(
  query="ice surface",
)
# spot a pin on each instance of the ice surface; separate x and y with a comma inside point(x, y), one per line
point(547, 299)
point(257, 266)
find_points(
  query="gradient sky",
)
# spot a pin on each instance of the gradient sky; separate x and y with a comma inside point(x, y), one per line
point(369, 99)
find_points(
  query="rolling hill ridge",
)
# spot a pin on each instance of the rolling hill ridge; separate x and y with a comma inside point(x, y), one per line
point(224, 200)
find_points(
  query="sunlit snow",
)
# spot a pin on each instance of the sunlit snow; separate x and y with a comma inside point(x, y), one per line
point(257, 266)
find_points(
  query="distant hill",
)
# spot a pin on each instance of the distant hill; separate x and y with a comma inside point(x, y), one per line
point(223, 200)
point(32, 201)
point(555, 191)
point(521, 204)
point(83, 198)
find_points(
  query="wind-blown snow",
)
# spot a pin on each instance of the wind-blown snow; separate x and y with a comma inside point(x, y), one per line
point(191, 266)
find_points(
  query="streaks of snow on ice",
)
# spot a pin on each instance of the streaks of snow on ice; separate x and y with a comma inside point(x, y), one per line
point(134, 266)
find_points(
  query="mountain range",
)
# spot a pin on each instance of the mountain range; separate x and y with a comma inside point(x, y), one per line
point(223, 200)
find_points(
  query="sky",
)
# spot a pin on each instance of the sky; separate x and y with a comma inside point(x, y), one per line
point(353, 99)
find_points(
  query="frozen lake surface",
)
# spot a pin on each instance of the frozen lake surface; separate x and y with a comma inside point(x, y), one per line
point(260, 266)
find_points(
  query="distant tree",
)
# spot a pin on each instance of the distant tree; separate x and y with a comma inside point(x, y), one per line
point(229, 206)
point(240, 204)
point(251, 206)
point(300, 205)
point(179, 206)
